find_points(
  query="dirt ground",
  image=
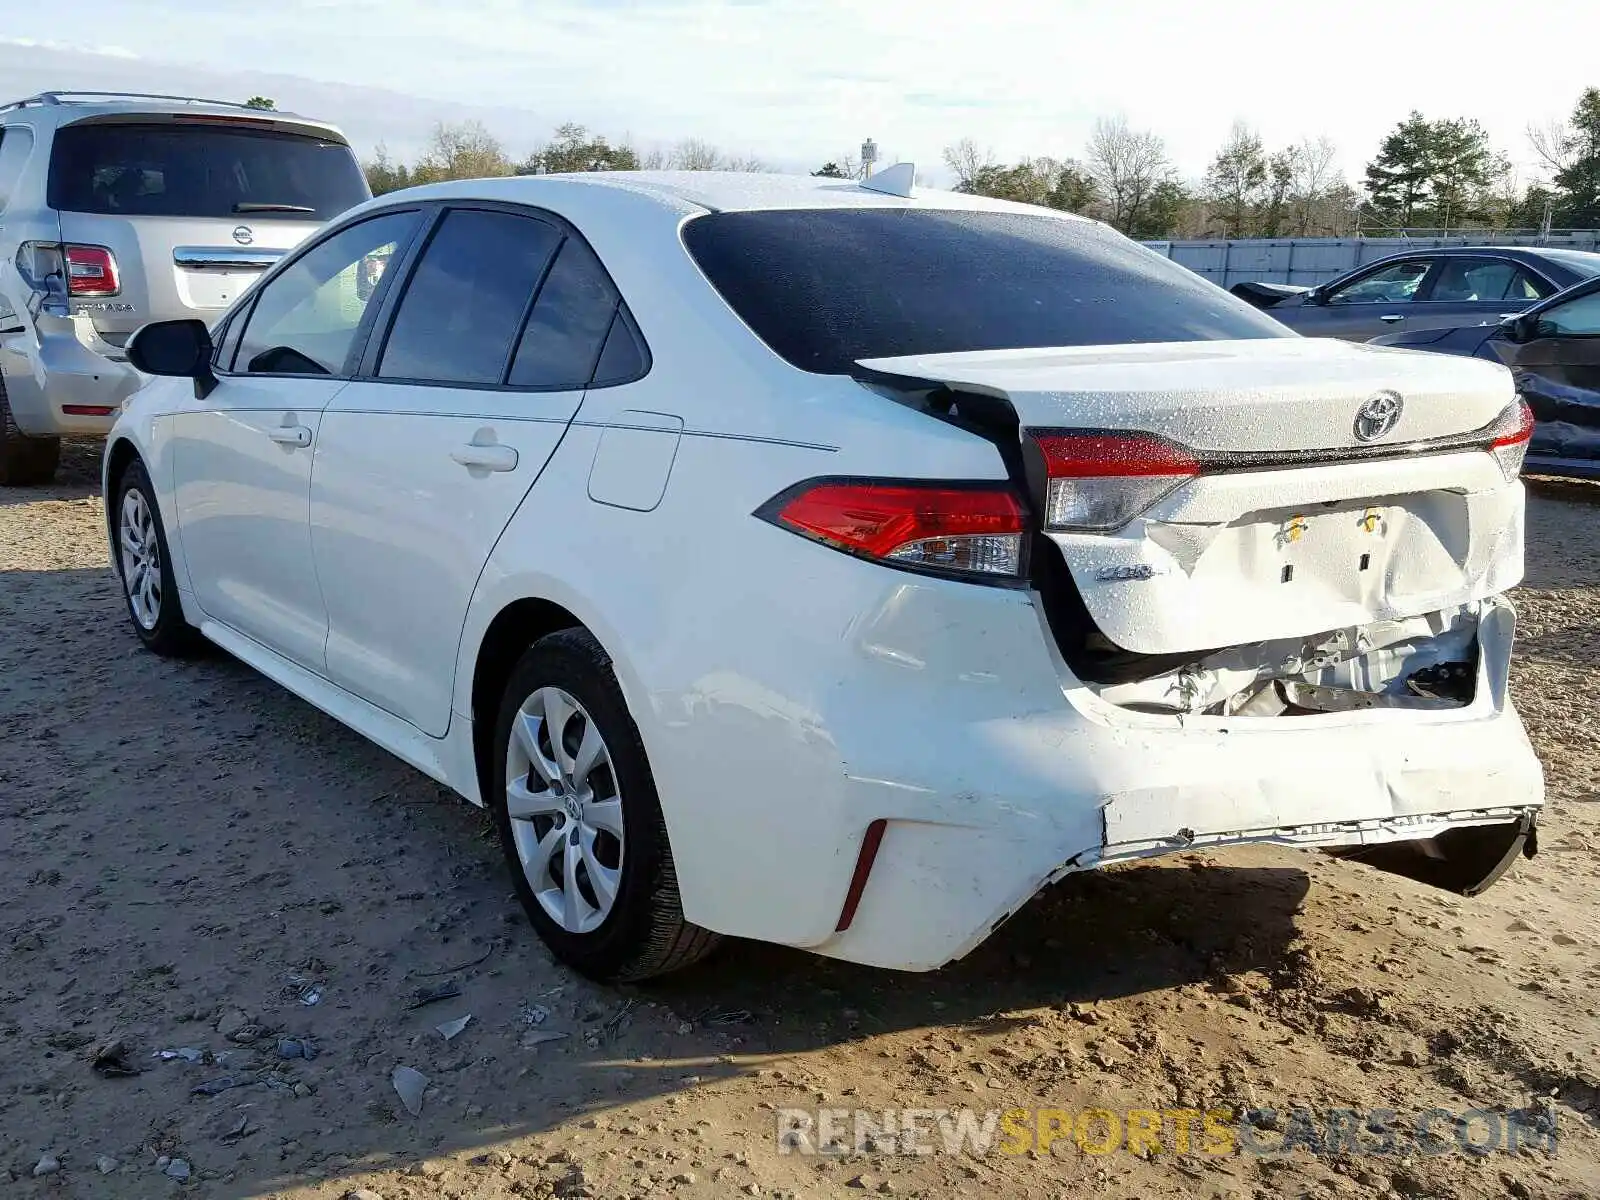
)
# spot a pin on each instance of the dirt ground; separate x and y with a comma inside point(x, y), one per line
point(187, 854)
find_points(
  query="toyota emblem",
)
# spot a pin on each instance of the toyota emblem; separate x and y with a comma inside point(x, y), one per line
point(243, 234)
point(1378, 416)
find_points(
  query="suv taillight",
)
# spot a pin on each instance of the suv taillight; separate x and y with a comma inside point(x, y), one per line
point(1099, 481)
point(91, 271)
point(972, 531)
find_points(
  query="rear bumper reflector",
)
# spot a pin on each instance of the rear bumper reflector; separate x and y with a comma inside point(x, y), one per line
point(88, 410)
point(858, 881)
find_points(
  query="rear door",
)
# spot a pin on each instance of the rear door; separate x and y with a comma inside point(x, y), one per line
point(1473, 291)
point(422, 461)
point(1383, 300)
point(192, 208)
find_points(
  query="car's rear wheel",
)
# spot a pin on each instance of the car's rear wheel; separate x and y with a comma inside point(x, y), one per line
point(24, 461)
point(145, 567)
point(580, 821)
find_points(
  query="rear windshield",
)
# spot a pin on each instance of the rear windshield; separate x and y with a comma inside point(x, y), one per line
point(824, 287)
point(1580, 261)
point(173, 170)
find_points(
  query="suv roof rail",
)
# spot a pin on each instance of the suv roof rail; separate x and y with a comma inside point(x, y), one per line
point(51, 98)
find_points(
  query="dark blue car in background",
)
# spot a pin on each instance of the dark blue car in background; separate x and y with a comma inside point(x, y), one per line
point(1553, 350)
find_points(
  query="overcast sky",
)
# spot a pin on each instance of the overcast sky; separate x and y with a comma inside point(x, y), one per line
point(800, 81)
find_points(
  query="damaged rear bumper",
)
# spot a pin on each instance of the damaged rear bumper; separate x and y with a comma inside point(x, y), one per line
point(1101, 785)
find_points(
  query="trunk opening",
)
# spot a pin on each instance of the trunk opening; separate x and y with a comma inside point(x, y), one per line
point(1425, 663)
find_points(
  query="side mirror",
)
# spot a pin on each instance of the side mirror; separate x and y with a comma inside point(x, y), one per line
point(175, 348)
point(1518, 327)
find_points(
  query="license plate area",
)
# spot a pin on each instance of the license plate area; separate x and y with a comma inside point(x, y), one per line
point(213, 289)
point(1170, 586)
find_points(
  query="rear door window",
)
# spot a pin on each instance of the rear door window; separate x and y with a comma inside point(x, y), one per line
point(1469, 280)
point(1526, 288)
point(467, 299)
point(187, 169)
point(825, 287)
point(569, 324)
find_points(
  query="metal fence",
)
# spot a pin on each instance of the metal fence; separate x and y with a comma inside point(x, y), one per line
point(1310, 261)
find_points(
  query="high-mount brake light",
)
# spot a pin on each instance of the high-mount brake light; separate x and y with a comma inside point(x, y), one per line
point(973, 531)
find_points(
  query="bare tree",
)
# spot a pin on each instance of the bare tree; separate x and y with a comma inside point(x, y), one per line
point(1315, 174)
point(1552, 141)
point(463, 151)
point(693, 154)
point(1128, 165)
point(968, 162)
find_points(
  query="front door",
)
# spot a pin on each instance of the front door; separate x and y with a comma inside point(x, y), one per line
point(1381, 301)
point(422, 461)
point(1558, 373)
point(242, 455)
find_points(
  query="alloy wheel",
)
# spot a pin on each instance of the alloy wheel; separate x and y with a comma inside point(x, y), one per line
point(565, 809)
point(141, 559)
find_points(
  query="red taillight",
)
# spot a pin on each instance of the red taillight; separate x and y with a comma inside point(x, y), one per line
point(1104, 480)
point(91, 271)
point(946, 528)
point(1509, 437)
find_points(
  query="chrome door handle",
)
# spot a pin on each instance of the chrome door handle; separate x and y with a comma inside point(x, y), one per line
point(486, 458)
point(290, 435)
point(1391, 318)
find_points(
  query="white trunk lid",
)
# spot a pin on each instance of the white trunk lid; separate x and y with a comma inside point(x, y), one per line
point(1297, 525)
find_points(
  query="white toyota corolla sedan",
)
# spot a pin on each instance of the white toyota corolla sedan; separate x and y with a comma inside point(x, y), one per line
point(837, 564)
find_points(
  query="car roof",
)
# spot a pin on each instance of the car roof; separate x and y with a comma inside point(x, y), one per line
point(1521, 253)
point(717, 191)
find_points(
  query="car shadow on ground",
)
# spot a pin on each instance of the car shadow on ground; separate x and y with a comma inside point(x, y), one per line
point(180, 841)
point(77, 478)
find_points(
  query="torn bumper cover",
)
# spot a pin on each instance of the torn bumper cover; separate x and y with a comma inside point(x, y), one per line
point(1372, 776)
point(1448, 796)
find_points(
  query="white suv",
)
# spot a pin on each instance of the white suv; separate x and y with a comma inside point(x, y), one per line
point(788, 559)
point(116, 210)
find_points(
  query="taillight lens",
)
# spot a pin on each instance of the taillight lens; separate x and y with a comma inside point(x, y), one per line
point(91, 271)
point(1509, 437)
point(1101, 481)
point(949, 529)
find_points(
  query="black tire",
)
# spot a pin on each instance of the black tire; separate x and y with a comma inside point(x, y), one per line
point(170, 635)
point(24, 461)
point(645, 932)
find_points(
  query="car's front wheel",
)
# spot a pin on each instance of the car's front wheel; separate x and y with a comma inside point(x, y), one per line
point(145, 566)
point(580, 821)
